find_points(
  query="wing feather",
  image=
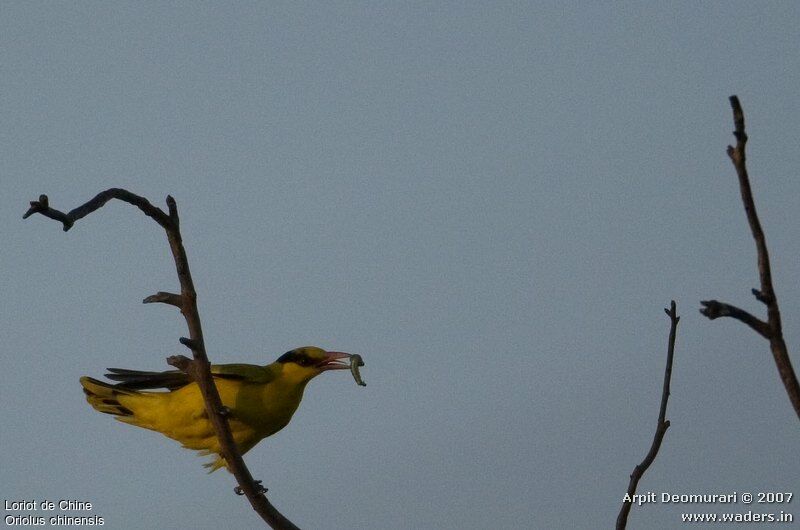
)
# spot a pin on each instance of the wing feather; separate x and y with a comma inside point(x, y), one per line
point(175, 379)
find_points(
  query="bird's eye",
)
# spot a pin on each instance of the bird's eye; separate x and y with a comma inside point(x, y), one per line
point(305, 361)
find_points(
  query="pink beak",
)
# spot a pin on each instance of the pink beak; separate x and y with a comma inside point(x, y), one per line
point(332, 361)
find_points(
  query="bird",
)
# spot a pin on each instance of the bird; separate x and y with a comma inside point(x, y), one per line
point(259, 400)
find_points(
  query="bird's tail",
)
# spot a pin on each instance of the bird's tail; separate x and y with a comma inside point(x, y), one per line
point(103, 397)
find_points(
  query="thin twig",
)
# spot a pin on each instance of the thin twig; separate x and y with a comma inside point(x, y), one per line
point(661, 428)
point(714, 309)
point(42, 206)
point(199, 367)
point(771, 329)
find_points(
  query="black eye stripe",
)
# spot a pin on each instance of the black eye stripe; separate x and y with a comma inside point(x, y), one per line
point(303, 360)
point(295, 357)
point(287, 357)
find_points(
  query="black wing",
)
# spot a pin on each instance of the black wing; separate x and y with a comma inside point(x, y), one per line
point(175, 379)
point(139, 380)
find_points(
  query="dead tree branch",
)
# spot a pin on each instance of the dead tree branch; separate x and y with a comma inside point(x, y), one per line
point(661, 428)
point(771, 329)
point(199, 367)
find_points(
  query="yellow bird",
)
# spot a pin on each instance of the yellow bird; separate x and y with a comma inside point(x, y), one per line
point(261, 399)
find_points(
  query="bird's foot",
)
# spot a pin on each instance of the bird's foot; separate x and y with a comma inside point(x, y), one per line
point(257, 483)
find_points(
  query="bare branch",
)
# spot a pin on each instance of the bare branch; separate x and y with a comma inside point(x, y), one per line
point(661, 428)
point(772, 329)
point(714, 309)
point(164, 298)
point(42, 206)
point(199, 369)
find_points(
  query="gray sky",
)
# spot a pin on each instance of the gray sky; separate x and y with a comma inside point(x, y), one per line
point(491, 202)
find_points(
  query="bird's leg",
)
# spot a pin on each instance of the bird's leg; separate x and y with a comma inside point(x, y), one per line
point(259, 488)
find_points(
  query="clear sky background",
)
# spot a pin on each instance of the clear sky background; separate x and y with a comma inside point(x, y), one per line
point(491, 202)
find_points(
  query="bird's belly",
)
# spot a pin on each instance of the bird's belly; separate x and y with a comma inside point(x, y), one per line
point(255, 412)
point(259, 408)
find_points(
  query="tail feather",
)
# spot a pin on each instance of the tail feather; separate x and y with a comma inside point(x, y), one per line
point(215, 464)
point(103, 397)
point(181, 420)
point(140, 380)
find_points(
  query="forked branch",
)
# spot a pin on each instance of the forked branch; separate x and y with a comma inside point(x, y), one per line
point(197, 368)
point(661, 428)
point(771, 329)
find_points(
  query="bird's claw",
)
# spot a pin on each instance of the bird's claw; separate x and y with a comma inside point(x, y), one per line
point(257, 483)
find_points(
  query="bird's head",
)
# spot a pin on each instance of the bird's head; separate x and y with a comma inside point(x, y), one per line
point(302, 364)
